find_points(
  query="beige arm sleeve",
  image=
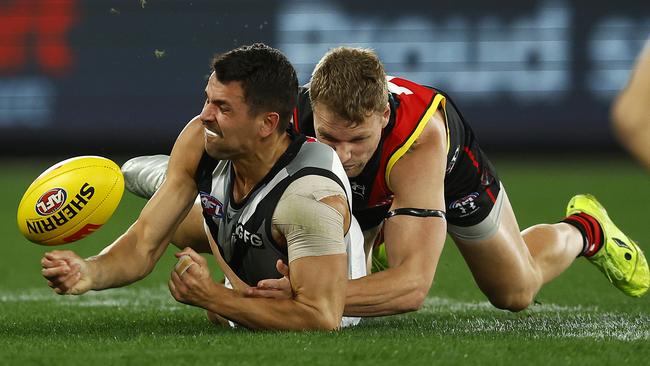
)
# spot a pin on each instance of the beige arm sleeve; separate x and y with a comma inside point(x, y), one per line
point(311, 228)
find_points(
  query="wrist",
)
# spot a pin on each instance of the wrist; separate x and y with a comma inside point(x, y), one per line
point(91, 271)
point(216, 293)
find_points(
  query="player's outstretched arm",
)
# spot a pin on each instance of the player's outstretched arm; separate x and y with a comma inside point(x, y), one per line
point(631, 110)
point(133, 255)
point(413, 244)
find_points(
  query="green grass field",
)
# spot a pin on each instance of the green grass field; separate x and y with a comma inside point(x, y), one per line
point(577, 319)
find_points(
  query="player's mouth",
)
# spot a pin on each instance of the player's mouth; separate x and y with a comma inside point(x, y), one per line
point(352, 168)
point(211, 133)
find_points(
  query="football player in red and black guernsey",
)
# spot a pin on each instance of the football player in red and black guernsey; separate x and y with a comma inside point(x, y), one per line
point(418, 173)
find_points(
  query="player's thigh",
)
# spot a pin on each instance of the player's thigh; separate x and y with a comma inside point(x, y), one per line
point(191, 232)
point(502, 260)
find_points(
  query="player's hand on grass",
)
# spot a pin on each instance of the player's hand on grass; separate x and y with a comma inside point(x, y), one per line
point(273, 288)
point(66, 272)
point(190, 281)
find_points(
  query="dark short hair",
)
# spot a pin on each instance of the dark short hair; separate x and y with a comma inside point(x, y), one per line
point(267, 77)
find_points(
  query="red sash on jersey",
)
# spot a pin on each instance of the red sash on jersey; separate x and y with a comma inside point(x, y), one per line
point(417, 104)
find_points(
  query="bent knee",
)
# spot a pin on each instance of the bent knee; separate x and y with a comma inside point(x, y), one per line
point(513, 301)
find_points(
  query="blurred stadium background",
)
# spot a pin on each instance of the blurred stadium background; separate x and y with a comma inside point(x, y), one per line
point(121, 78)
point(114, 76)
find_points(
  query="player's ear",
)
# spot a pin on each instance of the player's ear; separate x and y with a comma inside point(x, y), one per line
point(269, 123)
point(385, 116)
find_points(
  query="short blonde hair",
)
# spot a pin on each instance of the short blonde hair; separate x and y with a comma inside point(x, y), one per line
point(351, 82)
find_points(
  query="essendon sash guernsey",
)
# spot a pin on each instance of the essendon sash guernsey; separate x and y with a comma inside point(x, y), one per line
point(469, 178)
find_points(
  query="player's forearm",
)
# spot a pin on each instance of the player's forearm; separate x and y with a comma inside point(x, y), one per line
point(122, 263)
point(392, 291)
point(272, 314)
point(404, 286)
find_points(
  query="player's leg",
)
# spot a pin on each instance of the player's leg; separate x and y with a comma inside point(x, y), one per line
point(143, 175)
point(510, 267)
point(631, 111)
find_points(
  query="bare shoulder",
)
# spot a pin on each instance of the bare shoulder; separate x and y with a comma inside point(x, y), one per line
point(419, 173)
point(434, 133)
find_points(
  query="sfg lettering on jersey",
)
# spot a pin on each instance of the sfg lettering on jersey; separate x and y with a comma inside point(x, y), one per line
point(62, 214)
point(246, 236)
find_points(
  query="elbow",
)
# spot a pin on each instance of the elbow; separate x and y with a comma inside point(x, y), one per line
point(329, 324)
point(324, 319)
point(328, 321)
point(414, 300)
point(416, 293)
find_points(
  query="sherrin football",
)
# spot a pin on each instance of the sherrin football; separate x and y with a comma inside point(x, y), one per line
point(70, 200)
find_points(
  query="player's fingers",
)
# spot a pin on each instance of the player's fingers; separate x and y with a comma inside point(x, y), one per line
point(196, 257)
point(190, 270)
point(68, 283)
point(51, 255)
point(45, 262)
point(52, 261)
point(55, 272)
point(270, 284)
point(184, 263)
point(282, 268)
point(59, 254)
point(57, 288)
point(178, 281)
point(65, 281)
point(172, 288)
point(174, 284)
point(269, 294)
point(185, 251)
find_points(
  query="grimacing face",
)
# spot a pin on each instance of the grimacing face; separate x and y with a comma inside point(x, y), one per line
point(354, 143)
point(226, 120)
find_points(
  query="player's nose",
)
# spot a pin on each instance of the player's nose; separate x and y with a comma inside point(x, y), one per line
point(344, 151)
point(207, 116)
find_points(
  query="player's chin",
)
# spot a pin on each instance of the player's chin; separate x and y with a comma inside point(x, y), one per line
point(210, 140)
point(218, 152)
point(353, 171)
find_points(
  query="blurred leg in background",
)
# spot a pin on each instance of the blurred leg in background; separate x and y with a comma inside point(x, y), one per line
point(631, 110)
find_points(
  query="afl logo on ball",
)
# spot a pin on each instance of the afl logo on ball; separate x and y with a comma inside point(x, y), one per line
point(51, 201)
